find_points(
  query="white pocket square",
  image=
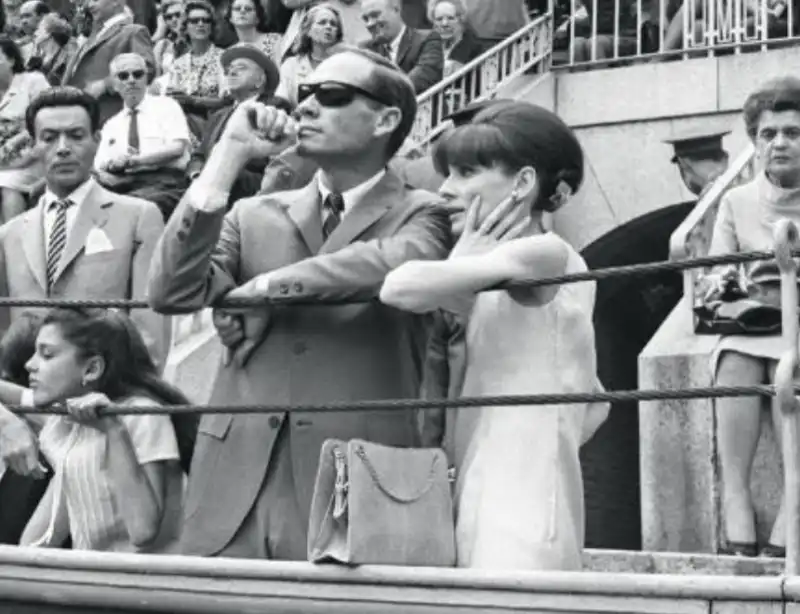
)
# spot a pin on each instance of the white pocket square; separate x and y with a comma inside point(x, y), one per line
point(97, 242)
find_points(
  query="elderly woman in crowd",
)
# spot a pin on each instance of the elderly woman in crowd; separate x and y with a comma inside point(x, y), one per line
point(249, 20)
point(320, 31)
point(744, 223)
point(461, 44)
point(117, 481)
point(195, 78)
point(519, 489)
point(53, 48)
point(167, 40)
point(353, 29)
point(19, 168)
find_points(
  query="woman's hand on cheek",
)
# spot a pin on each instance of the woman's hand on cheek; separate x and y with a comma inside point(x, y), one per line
point(503, 223)
point(87, 410)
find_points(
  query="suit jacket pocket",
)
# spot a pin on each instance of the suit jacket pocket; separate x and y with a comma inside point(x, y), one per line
point(216, 425)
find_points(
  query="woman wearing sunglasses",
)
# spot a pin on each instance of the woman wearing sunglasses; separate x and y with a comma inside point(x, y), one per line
point(117, 482)
point(167, 40)
point(519, 491)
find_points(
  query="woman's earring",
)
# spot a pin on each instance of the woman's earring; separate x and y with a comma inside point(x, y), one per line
point(514, 196)
point(84, 382)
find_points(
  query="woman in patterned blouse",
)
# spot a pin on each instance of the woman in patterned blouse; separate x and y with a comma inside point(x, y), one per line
point(249, 19)
point(195, 79)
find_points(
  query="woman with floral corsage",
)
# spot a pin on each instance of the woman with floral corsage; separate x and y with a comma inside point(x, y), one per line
point(519, 491)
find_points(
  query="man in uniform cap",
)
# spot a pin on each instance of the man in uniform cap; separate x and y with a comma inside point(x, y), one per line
point(700, 158)
point(249, 74)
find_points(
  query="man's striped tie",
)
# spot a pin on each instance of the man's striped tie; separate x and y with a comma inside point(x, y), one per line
point(332, 209)
point(58, 239)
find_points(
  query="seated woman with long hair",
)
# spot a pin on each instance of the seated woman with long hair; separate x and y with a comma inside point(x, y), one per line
point(519, 490)
point(117, 482)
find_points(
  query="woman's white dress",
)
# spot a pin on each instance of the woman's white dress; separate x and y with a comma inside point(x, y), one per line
point(519, 491)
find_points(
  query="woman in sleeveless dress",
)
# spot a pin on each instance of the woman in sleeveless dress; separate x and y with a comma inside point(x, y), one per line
point(519, 492)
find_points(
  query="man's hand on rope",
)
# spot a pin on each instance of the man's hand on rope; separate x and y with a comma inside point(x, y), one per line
point(19, 447)
point(241, 331)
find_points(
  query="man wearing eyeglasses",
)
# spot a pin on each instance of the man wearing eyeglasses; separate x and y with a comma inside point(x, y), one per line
point(144, 149)
point(253, 475)
point(113, 33)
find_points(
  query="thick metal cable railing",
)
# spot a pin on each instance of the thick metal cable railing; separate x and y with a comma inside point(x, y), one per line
point(784, 390)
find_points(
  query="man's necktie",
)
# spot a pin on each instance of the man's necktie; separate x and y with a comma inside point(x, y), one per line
point(133, 130)
point(332, 210)
point(385, 50)
point(58, 239)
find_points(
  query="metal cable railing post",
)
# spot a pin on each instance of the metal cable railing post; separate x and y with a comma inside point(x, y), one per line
point(785, 237)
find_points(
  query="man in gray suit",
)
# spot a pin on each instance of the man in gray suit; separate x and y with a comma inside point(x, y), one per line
point(113, 33)
point(253, 475)
point(80, 241)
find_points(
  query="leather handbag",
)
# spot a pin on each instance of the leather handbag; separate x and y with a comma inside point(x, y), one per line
point(380, 505)
point(752, 307)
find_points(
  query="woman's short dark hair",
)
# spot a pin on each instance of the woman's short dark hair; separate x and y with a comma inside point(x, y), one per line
point(129, 368)
point(782, 94)
point(11, 50)
point(17, 347)
point(62, 96)
point(262, 23)
point(513, 135)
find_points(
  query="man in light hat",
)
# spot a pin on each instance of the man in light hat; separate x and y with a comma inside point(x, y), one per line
point(250, 74)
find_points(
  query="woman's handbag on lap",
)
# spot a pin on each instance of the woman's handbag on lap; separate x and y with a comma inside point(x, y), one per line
point(749, 307)
point(380, 505)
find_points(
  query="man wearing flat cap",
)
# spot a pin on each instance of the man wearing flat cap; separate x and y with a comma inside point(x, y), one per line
point(250, 74)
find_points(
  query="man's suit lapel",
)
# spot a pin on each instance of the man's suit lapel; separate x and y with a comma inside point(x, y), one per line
point(91, 43)
point(92, 212)
point(364, 213)
point(405, 46)
point(33, 245)
point(219, 125)
point(306, 214)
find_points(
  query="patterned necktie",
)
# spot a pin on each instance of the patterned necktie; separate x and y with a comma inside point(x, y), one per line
point(332, 209)
point(58, 239)
point(133, 130)
point(385, 50)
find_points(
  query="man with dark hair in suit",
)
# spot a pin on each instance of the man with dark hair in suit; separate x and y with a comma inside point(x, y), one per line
point(253, 475)
point(418, 53)
point(79, 240)
point(112, 34)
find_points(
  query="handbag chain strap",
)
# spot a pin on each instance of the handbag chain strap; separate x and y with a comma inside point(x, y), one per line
point(340, 485)
point(362, 454)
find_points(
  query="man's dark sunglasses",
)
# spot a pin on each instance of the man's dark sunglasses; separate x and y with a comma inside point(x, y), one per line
point(123, 75)
point(334, 94)
point(197, 21)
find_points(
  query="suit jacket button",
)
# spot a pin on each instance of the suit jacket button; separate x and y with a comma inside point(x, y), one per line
point(300, 348)
point(274, 422)
point(186, 222)
point(284, 288)
point(298, 287)
point(181, 235)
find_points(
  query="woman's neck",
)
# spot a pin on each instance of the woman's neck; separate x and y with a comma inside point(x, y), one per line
point(451, 42)
point(247, 35)
point(199, 47)
point(787, 182)
point(318, 53)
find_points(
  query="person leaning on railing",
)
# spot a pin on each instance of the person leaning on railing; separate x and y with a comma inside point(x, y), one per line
point(117, 481)
point(515, 466)
point(744, 223)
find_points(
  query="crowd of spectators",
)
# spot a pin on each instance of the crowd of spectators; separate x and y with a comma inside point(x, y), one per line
point(159, 168)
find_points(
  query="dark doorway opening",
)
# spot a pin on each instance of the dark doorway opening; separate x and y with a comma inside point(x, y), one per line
point(628, 312)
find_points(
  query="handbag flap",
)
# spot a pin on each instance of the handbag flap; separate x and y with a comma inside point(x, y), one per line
point(405, 475)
